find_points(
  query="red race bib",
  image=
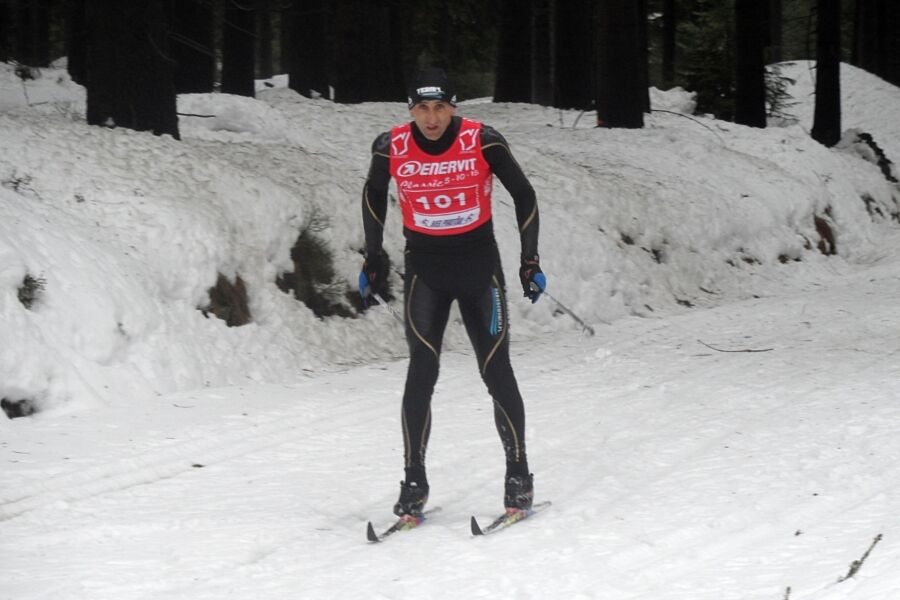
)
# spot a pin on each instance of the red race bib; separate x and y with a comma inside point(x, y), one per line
point(446, 194)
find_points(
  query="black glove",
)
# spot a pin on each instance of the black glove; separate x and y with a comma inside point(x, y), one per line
point(533, 279)
point(373, 276)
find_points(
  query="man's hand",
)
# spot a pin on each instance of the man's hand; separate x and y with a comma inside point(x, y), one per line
point(534, 282)
point(373, 276)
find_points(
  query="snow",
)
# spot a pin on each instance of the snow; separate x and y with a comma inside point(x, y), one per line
point(728, 433)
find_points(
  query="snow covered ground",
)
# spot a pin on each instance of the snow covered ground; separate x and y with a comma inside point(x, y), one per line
point(728, 433)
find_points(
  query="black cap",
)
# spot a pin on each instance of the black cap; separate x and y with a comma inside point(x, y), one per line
point(431, 83)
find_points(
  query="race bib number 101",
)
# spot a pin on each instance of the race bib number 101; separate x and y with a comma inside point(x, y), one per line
point(445, 209)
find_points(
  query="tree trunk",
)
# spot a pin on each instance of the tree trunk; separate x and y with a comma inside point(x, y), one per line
point(620, 97)
point(365, 66)
point(542, 52)
point(129, 76)
point(827, 120)
point(575, 55)
point(238, 49)
point(670, 27)
point(876, 46)
point(76, 39)
point(775, 29)
point(7, 33)
point(192, 44)
point(265, 67)
point(513, 73)
point(30, 23)
point(750, 73)
point(644, 63)
point(307, 47)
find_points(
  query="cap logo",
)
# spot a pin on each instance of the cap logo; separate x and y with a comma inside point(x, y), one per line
point(431, 90)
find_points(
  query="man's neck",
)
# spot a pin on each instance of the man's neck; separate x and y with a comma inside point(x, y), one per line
point(440, 145)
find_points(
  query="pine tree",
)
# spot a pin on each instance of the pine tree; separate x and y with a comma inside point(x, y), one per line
point(513, 72)
point(827, 120)
point(307, 46)
point(192, 45)
point(238, 48)
point(620, 92)
point(129, 73)
point(750, 74)
point(575, 54)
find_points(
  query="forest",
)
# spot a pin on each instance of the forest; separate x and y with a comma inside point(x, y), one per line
point(594, 55)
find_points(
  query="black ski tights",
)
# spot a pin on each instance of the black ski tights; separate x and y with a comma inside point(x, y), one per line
point(484, 313)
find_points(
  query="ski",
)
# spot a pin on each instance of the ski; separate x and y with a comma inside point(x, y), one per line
point(404, 523)
point(507, 519)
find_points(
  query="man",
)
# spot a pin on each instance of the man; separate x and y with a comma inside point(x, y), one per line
point(443, 166)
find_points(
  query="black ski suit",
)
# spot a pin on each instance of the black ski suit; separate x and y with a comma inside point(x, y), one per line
point(466, 268)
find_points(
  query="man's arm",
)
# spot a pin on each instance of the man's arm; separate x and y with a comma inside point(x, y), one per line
point(375, 193)
point(498, 155)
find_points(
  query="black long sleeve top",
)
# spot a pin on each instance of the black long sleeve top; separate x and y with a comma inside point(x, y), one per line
point(497, 154)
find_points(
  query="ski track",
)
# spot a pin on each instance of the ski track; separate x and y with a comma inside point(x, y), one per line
point(651, 445)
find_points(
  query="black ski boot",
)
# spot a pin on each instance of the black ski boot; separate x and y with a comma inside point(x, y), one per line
point(413, 496)
point(518, 493)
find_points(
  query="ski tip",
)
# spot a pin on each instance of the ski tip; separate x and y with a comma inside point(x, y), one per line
point(476, 529)
point(370, 533)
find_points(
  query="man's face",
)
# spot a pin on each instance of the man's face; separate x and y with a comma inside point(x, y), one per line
point(432, 117)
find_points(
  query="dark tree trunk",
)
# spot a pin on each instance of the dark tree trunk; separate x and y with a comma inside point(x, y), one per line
point(365, 63)
point(7, 32)
point(513, 74)
point(76, 39)
point(620, 97)
point(775, 29)
point(192, 45)
point(750, 73)
point(670, 27)
point(644, 63)
point(129, 77)
point(575, 64)
point(306, 46)
point(30, 24)
point(543, 25)
point(265, 66)
point(876, 46)
point(238, 48)
point(827, 120)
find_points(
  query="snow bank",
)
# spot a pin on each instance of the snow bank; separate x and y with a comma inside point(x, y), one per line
point(128, 230)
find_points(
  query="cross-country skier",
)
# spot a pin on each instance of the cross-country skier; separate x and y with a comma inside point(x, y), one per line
point(443, 166)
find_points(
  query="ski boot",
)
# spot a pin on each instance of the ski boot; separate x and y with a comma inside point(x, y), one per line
point(518, 494)
point(413, 496)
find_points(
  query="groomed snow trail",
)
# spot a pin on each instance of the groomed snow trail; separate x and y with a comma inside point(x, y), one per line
point(725, 453)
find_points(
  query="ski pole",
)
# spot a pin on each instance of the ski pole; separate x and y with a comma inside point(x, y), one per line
point(390, 308)
point(569, 312)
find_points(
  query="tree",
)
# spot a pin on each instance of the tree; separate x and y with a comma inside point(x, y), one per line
point(644, 57)
point(366, 66)
point(707, 56)
point(192, 45)
point(575, 54)
point(543, 51)
point(306, 46)
point(876, 45)
point(76, 39)
point(129, 74)
point(620, 95)
point(238, 54)
point(265, 66)
point(776, 30)
point(513, 72)
point(827, 119)
point(750, 70)
point(669, 35)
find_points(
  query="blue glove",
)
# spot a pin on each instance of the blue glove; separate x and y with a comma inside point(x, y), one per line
point(534, 282)
point(373, 276)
